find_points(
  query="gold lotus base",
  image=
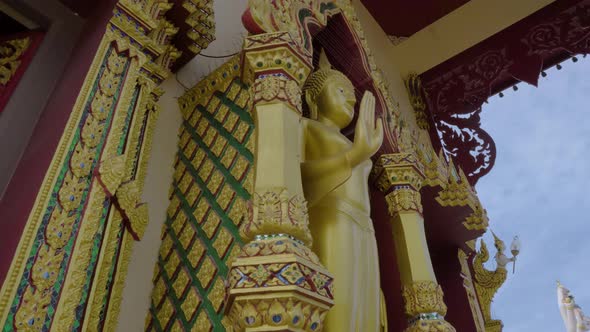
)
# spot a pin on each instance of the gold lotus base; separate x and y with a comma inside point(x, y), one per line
point(278, 284)
point(277, 311)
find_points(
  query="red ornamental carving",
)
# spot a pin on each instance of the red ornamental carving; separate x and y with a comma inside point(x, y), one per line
point(456, 89)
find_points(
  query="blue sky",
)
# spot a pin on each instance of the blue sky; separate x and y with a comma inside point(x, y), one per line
point(537, 190)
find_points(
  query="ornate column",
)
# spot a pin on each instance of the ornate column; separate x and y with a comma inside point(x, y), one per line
point(277, 282)
point(400, 177)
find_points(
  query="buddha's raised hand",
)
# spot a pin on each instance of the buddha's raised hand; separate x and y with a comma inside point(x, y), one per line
point(368, 134)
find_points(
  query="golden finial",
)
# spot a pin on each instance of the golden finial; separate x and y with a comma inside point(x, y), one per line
point(497, 242)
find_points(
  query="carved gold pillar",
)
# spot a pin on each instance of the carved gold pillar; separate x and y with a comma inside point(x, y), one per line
point(277, 283)
point(400, 177)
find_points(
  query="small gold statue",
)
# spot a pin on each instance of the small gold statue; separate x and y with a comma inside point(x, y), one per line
point(335, 175)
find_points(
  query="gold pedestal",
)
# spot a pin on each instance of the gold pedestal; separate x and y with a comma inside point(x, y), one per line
point(278, 284)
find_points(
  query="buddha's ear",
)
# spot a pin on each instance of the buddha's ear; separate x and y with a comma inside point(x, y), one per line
point(313, 108)
point(324, 63)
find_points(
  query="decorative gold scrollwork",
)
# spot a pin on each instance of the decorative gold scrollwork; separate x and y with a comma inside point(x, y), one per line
point(10, 53)
point(423, 297)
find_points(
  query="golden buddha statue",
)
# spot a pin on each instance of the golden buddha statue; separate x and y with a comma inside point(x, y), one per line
point(335, 175)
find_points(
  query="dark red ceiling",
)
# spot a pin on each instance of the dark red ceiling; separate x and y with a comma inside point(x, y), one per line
point(456, 89)
point(403, 18)
point(83, 8)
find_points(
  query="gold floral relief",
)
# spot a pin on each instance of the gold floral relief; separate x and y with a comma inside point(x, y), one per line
point(423, 297)
point(10, 54)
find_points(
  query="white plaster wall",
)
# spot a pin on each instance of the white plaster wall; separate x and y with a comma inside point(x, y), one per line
point(138, 286)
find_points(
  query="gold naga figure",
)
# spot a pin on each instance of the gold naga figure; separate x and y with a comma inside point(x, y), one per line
point(335, 175)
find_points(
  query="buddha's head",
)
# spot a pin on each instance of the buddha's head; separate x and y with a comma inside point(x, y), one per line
point(330, 95)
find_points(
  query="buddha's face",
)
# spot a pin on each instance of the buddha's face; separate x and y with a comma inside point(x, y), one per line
point(336, 102)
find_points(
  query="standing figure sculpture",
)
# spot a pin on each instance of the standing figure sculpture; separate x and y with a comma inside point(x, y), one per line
point(488, 282)
point(335, 175)
point(571, 313)
point(501, 259)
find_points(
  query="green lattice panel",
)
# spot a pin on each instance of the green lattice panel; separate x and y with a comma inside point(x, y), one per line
point(207, 203)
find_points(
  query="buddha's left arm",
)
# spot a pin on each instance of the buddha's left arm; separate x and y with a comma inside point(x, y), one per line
point(321, 176)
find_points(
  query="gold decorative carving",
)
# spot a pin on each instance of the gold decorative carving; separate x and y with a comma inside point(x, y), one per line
point(423, 297)
point(276, 211)
point(458, 192)
point(425, 307)
point(128, 197)
point(300, 288)
point(202, 22)
point(111, 173)
point(272, 89)
point(415, 91)
point(126, 55)
point(403, 200)
point(284, 16)
point(111, 319)
point(436, 171)
point(33, 309)
point(10, 53)
point(294, 312)
point(487, 284)
point(100, 284)
point(477, 220)
point(398, 169)
point(220, 79)
point(140, 10)
point(272, 53)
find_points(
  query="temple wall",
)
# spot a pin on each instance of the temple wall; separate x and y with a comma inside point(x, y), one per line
point(83, 173)
point(138, 285)
point(210, 187)
point(21, 192)
point(21, 113)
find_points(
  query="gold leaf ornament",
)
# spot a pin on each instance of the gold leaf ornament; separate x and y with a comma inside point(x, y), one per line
point(101, 104)
point(70, 194)
point(111, 172)
point(59, 229)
